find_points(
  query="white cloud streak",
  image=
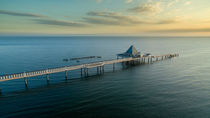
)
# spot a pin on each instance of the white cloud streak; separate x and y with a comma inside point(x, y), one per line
point(149, 7)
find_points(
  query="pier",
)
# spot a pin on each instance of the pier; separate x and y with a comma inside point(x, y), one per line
point(84, 67)
point(145, 59)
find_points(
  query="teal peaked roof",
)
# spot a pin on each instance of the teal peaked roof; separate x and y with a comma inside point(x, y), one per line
point(132, 50)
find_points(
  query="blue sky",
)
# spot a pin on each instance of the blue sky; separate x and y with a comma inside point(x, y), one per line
point(105, 17)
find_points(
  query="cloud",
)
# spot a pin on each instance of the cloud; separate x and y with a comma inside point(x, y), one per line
point(114, 18)
point(44, 21)
point(176, 1)
point(147, 7)
point(103, 21)
point(113, 15)
point(110, 18)
point(190, 30)
point(128, 1)
point(59, 23)
point(20, 14)
point(173, 2)
point(99, 1)
point(168, 21)
point(187, 3)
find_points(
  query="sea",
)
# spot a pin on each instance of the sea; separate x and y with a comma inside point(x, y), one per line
point(171, 88)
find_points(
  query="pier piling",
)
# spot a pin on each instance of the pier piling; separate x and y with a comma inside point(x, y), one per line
point(47, 76)
point(97, 70)
point(113, 67)
point(66, 75)
point(87, 73)
point(103, 68)
point(100, 69)
point(81, 73)
point(26, 82)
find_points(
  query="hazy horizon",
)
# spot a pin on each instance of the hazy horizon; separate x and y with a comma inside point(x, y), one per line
point(91, 35)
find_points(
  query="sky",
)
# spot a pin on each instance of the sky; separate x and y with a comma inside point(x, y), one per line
point(105, 17)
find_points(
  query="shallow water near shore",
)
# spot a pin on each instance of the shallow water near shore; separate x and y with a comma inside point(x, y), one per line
point(177, 87)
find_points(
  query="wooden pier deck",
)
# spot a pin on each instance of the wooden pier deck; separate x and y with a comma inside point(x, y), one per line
point(83, 67)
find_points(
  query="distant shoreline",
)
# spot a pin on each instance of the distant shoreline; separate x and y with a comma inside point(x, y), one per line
point(104, 36)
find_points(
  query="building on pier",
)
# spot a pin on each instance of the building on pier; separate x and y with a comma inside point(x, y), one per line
point(131, 52)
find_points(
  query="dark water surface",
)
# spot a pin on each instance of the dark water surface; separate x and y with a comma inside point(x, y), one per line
point(173, 88)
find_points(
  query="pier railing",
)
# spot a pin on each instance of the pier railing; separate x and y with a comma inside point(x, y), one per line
point(81, 66)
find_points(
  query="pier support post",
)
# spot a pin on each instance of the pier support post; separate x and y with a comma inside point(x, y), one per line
point(103, 68)
point(0, 92)
point(47, 76)
point(87, 72)
point(122, 64)
point(133, 62)
point(97, 70)
point(81, 73)
point(66, 75)
point(26, 82)
point(113, 67)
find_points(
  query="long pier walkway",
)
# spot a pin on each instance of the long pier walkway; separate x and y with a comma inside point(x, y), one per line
point(84, 67)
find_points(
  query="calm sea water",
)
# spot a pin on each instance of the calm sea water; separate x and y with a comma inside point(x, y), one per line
point(173, 88)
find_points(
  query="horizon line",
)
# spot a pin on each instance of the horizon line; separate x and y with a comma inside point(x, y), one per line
point(94, 35)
